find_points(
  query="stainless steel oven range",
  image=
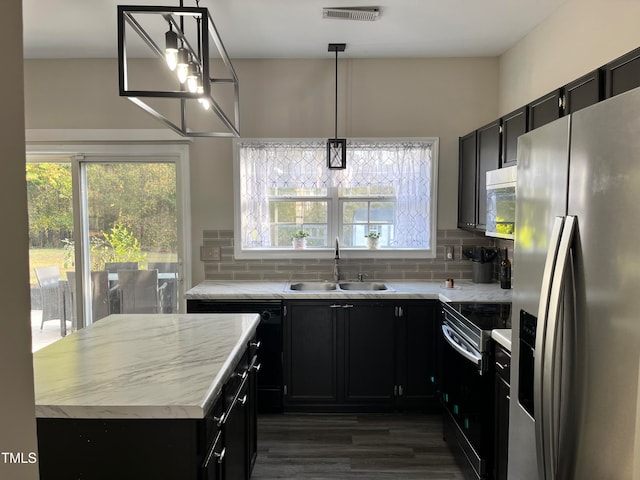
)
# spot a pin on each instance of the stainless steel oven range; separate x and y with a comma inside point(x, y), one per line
point(466, 381)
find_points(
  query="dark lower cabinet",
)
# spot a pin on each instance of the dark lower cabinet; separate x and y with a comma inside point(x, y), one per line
point(358, 355)
point(310, 353)
point(416, 367)
point(502, 396)
point(369, 333)
point(268, 335)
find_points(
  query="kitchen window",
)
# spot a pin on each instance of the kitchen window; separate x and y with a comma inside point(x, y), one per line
point(284, 186)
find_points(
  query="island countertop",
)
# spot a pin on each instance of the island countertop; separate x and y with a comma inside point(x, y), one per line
point(141, 366)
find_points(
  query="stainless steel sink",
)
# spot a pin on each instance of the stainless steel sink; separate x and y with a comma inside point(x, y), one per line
point(368, 286)
point(310, 286)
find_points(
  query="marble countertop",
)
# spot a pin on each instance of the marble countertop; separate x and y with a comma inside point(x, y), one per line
point(502, 336)
point(141, 366)
point(464, 291)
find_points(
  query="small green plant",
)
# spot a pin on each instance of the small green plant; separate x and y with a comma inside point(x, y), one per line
point(118, 245)
point(300, 234)
point(373, 234)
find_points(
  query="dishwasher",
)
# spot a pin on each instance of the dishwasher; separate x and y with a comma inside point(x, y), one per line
point(269, 336)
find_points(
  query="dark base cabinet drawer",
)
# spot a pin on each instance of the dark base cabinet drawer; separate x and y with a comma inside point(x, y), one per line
point(99, 449)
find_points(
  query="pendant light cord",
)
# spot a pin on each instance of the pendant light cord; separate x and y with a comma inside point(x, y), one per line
point(336, 105)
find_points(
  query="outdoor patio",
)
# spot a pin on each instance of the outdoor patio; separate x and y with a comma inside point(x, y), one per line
point(50, 331)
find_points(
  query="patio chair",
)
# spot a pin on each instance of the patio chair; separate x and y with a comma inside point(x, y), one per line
point(101, 294)
point(170, 298)
point(139, 291)
point(49, 283)
point(115, 267)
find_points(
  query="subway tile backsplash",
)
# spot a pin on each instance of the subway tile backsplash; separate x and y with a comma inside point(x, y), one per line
point(228, 268)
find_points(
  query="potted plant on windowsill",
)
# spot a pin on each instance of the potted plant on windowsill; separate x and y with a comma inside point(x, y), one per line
point(299, 239)
point(372, 240)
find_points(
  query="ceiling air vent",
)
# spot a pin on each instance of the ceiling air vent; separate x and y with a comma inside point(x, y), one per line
point(351, 13)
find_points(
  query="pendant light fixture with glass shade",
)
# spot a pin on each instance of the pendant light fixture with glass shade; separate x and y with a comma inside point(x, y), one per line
point(181, 96)
point(337, 147)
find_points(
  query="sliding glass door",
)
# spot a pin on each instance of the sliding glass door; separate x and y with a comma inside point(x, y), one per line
point(111, 226)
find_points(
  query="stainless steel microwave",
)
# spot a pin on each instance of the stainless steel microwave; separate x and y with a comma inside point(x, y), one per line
point(501, 202)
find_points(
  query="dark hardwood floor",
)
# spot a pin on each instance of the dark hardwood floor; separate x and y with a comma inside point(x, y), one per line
point(368, 446)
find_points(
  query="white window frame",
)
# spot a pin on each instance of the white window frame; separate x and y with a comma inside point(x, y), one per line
point(333, 214)
point(113, 145)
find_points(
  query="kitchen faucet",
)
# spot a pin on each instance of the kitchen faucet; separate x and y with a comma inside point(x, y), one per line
point(336, 259)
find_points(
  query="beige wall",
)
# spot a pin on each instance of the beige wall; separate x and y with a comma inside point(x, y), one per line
point(17, 410)
point(287, 98)
point(579, 37)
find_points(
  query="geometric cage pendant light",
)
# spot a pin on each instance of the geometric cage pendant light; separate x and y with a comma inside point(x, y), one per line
point(165, 57)
point(337, 147)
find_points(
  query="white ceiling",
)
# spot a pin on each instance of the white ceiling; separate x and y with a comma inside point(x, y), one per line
point(296, 29)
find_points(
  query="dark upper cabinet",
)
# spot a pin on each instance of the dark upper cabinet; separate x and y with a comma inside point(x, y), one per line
point(478, 153)
point(467, 212)
point(622, 74)
point(545, 109)
point(583, 92)
point(513, 125)
point(488, 159)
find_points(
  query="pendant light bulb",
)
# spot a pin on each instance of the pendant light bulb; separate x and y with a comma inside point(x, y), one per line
point(204, 101)
point(182, 68)
point(171, 49)
point(193, 77)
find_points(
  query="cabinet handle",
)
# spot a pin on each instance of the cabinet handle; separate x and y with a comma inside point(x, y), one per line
point(400, 390)
point(285, 390)
point(221, 419)
point(256, 344)
point(335, 305)
point(243, 400)
point(220, 456)
point(347, 305)
point(502, 367)
point(242, 375)
point(257, 367)
point(395, 390)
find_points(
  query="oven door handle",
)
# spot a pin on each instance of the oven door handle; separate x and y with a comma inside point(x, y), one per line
point(460, 345)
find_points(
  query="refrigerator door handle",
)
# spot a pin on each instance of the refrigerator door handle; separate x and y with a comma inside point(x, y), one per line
point(550, 409)
point(539, 390)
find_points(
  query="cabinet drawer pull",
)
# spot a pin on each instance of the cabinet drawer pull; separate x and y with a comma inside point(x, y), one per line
point(347, 305)
point(220, 456)
point(221, 419)
point(335, 305)
point(242, 401)
point(242, 375)
point(256, 345)
point(257, 367)
point(400, 390)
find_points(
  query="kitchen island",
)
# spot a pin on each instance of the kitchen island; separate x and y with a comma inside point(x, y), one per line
point(147, 396)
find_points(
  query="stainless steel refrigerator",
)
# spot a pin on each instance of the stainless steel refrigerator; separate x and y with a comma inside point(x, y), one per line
point(575, 400)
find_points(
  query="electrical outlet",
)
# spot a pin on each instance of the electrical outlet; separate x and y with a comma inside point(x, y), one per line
point(448, 252)
point(209, 254)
